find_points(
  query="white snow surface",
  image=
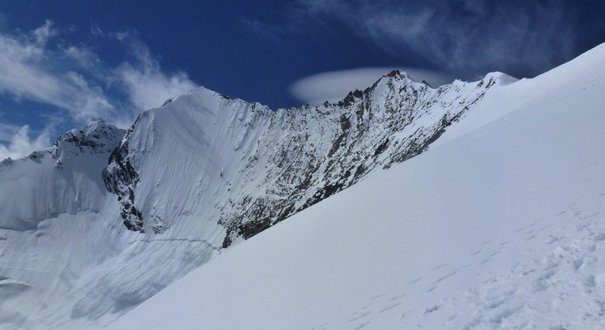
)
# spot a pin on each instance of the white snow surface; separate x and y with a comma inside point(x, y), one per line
point(501, 224)
point(52, 228)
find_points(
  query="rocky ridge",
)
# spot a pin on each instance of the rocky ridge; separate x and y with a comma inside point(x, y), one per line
point(304, 155)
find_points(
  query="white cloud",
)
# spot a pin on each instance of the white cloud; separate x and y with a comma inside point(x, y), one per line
point(44, 32)
point(27, 72)
point(151, 88)
point(6, 131)
point(42, 67)
point(19, 143)
point(148, 87)
point(334, 86)
point(82, 56)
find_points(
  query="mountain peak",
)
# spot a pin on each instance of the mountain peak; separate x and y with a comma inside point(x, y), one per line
point(97, 137)
point(500, 78)
point(396, 73)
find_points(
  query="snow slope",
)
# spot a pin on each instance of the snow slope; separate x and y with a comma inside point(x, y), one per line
point(501, 224)
point(51, 226)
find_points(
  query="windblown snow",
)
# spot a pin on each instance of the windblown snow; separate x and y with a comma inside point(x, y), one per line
point(474, 205)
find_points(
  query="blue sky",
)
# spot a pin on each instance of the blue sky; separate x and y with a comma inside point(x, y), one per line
point(66, 63)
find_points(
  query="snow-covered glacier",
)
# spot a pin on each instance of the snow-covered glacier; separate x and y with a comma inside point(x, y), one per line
point(107, 218)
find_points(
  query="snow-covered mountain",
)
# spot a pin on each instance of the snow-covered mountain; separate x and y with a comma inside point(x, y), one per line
point(107, 218)
point(245, 167)
point(500, 225)
point(62, 180)
point(53, 224)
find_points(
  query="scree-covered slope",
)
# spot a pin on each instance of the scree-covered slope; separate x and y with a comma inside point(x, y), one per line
point(501, 224)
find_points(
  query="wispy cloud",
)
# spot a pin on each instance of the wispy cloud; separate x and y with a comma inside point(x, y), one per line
point(333, 86)
point(43, 67)
point(462, 36)
point(74, 78)
point(262, 29)
point(44, 32)
point(27, 72)
point(146, 84)
point(16, 142)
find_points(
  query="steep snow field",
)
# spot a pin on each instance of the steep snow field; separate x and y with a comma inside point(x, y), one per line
point(501, 224)
point(52, 226)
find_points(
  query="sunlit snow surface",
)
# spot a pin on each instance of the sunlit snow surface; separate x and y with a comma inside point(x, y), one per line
point(500, 225)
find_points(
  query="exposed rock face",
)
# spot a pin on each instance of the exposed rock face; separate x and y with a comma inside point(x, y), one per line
point(96, 138)
point(266, 165)
point(388, 123)
point(120, 178)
